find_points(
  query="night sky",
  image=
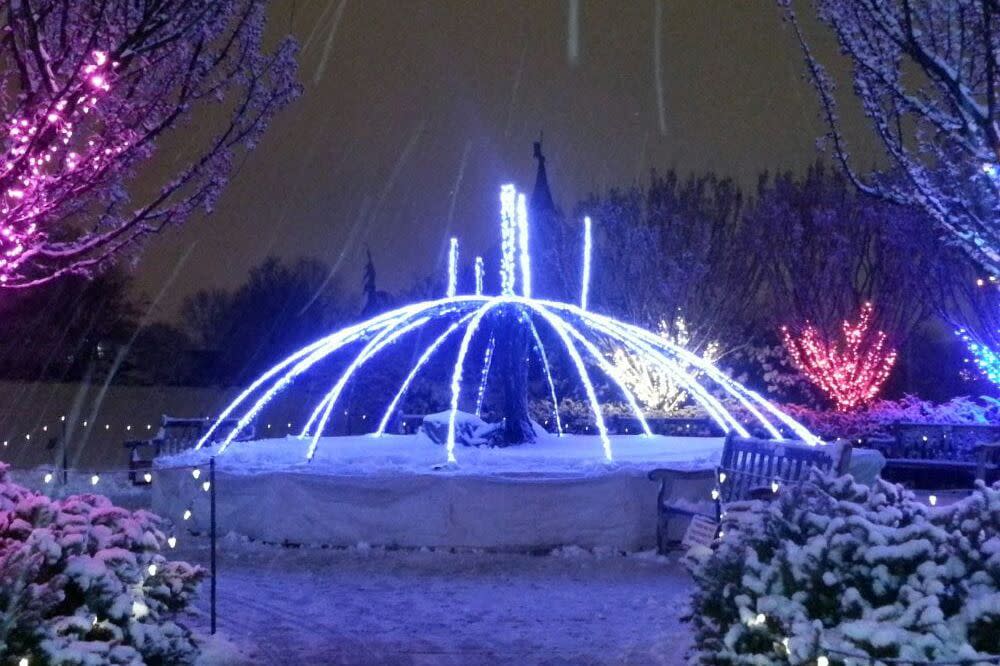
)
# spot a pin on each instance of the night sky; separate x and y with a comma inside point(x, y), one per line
point(415, 112)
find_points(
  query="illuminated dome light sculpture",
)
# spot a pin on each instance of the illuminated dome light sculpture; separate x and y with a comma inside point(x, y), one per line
point(577, 329)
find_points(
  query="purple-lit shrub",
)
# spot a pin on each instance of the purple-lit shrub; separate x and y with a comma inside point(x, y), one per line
point(835, 570)
point(85, 582)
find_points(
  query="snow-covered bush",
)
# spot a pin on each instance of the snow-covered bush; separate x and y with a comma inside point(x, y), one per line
point(834, 569)
point(84, 582)
point(876, 419)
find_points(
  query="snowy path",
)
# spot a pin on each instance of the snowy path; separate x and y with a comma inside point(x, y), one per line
point(315, 606)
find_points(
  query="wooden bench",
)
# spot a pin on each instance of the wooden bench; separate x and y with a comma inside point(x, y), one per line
point(940, 455)
point(176, 435)
point(750, 468)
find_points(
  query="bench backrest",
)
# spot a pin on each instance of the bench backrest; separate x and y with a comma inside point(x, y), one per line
point(749, 464)
point(178, 434)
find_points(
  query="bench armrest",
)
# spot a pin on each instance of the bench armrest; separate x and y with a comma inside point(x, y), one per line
point(665, 473)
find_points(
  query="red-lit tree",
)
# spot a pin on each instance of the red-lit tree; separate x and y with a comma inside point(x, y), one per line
point(89, 89)
point(850, 371)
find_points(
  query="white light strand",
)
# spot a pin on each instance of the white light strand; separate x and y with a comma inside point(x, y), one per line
point(452, 268)
point(456, 375)
point(548, 375)
point(433, 347)
point(485, 375)
point(480, 269)
point(508, 204)
point(587, 249)
point(373, 348)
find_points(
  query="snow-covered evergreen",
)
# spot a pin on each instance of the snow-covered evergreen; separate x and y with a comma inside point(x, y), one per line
point(834, 569)
point(84, 582)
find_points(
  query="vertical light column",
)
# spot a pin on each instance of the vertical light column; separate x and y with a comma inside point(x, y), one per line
point(508, 240)
point(452, 268)
point(587, 248)
point(480, 269)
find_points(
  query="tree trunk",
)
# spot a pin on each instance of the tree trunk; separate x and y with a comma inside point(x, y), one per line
point(511, 358)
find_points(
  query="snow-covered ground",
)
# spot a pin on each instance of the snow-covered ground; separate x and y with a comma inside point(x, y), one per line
point(371, 606)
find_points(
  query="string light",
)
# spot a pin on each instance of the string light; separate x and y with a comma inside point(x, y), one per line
point(822, 661)
point(587, 250)
point(452, 267)
point(508, 233)
point(196, 473)
point(851, 371)
point(933, 500)
point(36, 167)
point(151, 569)
point(147, 477)
point(572, 324)
point(95, 479)
point(206, 485)
point(480, 271)
point(985, 358)
point(48, 477)
point(187, 514)
point(172, 541)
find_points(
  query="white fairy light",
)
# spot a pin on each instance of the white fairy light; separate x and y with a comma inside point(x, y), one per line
point(172, 541)
point(95, 479)
point(151, 569)
point(187, 514)
point(452, 268)
point(480, 272)
point(587, 250)
point(48, 477)
point(147, 477)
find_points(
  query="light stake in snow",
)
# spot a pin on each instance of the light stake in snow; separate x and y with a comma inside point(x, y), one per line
point(478, 322)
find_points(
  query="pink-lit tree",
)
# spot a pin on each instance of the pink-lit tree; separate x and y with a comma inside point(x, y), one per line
point(89, 90)
point(850, 371)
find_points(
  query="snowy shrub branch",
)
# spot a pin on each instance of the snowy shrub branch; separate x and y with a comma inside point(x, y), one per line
point(926, 74)
point(85, 582)
point(851, 574)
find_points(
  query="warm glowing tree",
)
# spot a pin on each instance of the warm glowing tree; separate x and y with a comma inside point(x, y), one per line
point(850, 371)
point(89, 89)
point(655, 388)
